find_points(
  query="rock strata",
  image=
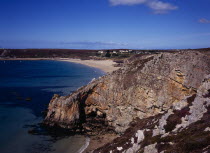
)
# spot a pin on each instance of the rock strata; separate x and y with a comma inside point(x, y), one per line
point(184, 130)
point(139, 100)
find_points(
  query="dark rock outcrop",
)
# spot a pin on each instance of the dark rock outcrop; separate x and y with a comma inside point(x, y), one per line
point(154, 95)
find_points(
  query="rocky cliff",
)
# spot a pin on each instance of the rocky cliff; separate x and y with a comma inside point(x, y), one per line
point(184, 128)
point(154, 97)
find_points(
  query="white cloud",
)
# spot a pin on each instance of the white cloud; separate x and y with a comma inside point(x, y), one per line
point(203, 20)
point(157, 6)
point(160, 7)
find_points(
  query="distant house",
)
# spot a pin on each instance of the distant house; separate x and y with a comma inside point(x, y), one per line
point(123, 51)
point(114, 52)
point(100, 51)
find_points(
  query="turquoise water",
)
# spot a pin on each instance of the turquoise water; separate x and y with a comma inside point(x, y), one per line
point(26, 88)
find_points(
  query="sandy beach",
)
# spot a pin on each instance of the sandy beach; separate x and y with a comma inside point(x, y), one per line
point(105, 65)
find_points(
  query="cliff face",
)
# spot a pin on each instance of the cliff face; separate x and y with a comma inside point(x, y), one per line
point(185, 127)
point(145, 86)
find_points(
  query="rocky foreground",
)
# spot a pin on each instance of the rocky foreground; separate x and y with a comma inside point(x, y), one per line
point(156, 103)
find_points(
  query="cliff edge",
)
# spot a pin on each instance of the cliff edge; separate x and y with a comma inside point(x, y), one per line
point(150, 97)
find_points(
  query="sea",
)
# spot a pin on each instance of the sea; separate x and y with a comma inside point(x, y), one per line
point(26, 88)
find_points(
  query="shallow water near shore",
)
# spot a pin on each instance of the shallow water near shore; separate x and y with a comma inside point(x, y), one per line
point(26, 88)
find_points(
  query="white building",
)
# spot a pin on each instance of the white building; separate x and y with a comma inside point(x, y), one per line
point(123, 51)
point(100, 51)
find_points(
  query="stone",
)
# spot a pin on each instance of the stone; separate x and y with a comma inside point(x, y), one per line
point(150, 149)
point(135, 90)
point(151, 101)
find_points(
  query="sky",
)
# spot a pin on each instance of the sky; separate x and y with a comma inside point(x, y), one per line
point(102, 24)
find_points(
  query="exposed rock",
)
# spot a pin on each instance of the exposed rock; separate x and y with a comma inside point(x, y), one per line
point(144, 87)
point(193, 135)
point(162, 123)
point(119, 148)
point(150, 148)
point(207, 129)
point(153, 99)
point(199, 106)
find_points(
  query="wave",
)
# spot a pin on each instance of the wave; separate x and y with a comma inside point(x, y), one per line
point(87, 142)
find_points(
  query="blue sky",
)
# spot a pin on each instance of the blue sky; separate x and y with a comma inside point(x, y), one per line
point(95, 24)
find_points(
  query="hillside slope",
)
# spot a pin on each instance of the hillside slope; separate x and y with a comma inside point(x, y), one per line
point(142, 97)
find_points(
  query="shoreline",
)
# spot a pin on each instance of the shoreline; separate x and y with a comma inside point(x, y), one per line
point(105, 65)
point(98, 141)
